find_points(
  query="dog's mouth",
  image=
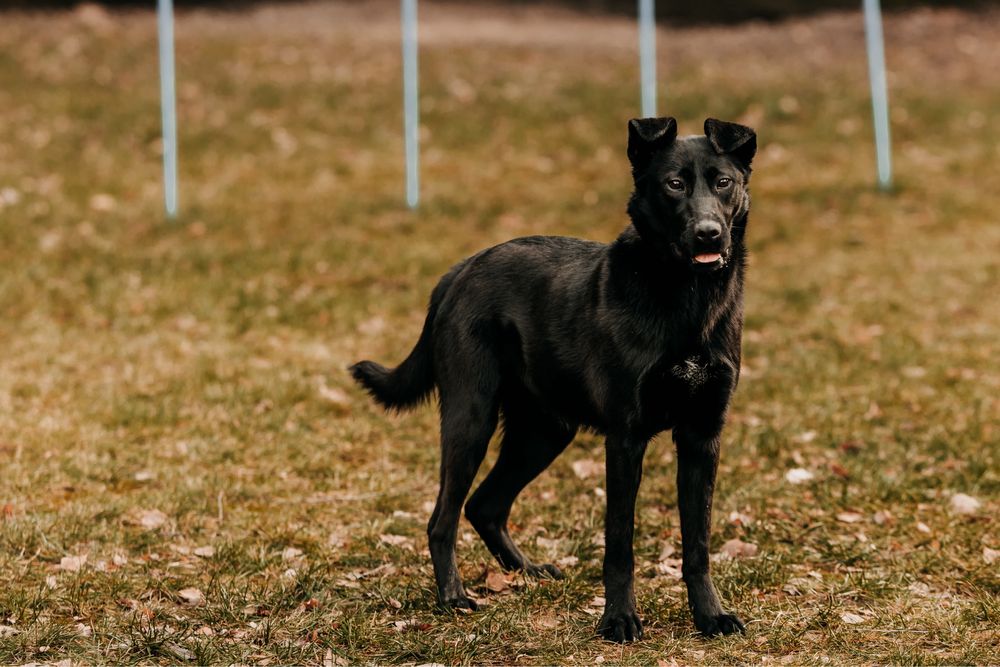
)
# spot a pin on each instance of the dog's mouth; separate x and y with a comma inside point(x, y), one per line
point(703, 260)
point(709, 261)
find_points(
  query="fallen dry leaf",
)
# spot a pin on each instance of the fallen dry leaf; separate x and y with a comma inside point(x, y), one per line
point(191, 596)
point(797, 585)
point(547, 543)
point(147, 519)
point(839, 471)
point(851, 618)
point(372, 326)
point(290, 553)
point(923, 527)
point(883, 517)
point(205, 552)
point(850, 517)
point(671, 567)
point(798, 476)
point(990, 555)
point(72, 563)
point(496, 582)
point(850, 447)
point(736, 548)
point(964, 504)
point(102, 203)
point(395, 540)
point(411, 626)
point(585, 468)
point(546, 622)
point(331, 659)
point(740, 519)
point(176, 651)
point(335, 396)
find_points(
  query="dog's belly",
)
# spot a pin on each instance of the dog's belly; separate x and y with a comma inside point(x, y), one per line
point(570, 383)
point(560, 392)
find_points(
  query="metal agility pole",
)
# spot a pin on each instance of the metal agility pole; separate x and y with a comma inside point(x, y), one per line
point(874, 41)
point(647, 56)
point(411, 119)
point(168, 103)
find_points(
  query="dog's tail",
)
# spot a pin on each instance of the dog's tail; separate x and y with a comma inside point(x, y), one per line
point(410, 383)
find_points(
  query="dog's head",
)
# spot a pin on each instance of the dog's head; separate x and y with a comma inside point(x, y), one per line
point(690, 191)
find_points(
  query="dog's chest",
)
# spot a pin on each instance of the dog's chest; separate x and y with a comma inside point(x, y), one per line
point(665, 390)
point(691, 372)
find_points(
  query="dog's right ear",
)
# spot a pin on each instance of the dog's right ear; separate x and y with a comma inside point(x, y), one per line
point(646, 136)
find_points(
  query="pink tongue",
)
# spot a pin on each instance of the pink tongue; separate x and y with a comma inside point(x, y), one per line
point(707, 257)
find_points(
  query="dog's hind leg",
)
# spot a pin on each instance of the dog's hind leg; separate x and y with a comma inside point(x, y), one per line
point(469, 409)
point(530, 443)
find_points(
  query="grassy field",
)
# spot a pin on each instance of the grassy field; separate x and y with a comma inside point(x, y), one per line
point(189, 475)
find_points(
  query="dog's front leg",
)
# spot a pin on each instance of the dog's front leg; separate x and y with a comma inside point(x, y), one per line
point(620, 621)
point(697, 462)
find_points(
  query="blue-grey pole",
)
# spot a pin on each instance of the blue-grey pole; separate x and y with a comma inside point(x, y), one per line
point(647, 56)
point(411, 127)
point(168, 103)
point(880, 96)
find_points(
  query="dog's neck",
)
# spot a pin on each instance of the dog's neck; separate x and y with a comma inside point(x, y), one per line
point(670, 293)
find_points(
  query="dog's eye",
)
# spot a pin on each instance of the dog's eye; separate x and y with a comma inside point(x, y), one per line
point(723, 183)
point(675, 184)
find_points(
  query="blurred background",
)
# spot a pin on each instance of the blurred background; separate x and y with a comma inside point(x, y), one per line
point(189, 474)
point(730, 11)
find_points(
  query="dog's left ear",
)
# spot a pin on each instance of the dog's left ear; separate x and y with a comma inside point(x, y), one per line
point(645, 137)
point(737, 141)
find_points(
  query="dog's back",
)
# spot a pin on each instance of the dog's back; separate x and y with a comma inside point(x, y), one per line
point(500, 298)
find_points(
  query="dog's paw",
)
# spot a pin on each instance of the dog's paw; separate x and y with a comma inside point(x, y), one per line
point(546, 571)
point(620, 626)
point(460, 602)
point(719, 624)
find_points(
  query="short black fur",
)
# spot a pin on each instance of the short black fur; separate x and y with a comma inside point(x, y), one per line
point(628, 339)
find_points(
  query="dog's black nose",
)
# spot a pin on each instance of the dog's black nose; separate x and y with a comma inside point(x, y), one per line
point(707, 231)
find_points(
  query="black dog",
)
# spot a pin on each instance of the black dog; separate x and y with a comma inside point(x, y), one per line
point(627, 339)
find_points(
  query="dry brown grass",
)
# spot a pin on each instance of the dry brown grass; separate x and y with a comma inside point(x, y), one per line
point(168, 387)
